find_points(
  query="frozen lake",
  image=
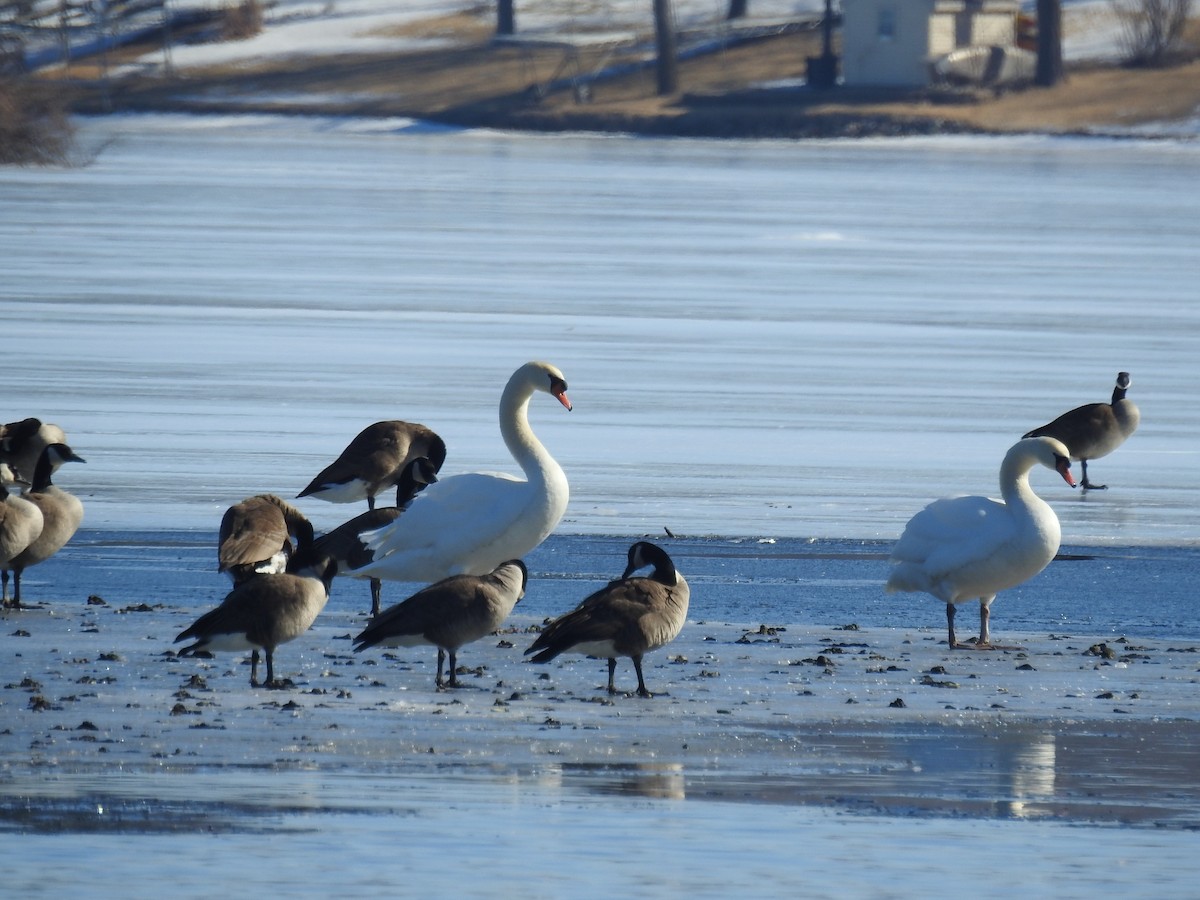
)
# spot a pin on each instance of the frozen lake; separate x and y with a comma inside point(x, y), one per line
point(770, 339)
point(797, 343)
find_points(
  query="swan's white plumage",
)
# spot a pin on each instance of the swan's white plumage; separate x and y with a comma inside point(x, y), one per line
point(471, 523)
point(966, 548)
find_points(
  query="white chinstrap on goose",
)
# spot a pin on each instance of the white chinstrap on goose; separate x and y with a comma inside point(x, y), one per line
point(449, 614)
point(468, 524)
point(630, 617)
point(1095, 430)
point(967, 548)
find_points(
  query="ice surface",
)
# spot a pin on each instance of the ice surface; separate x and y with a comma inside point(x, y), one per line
point(791, 346)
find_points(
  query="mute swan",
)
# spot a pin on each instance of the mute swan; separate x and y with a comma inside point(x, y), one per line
point(255, 536)
point(630, 617)
point(61, 515)
point(263, 612)
point(1095, 429)
point(468, 524)
point(344, 543)
point(448, 614)
point(375, 460)
point(963, 548)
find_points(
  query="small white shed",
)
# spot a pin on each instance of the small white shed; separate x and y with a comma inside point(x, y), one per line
point(896, 42)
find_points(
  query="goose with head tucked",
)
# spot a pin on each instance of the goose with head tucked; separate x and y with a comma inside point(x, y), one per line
point(1095, 429)
point(449, 614)
point(468, 524)
point(22, 443)
point(344, 543)
point(375, 460)
point(630, 617)
point(971, 548)
point(256, 534)
point(62, 514)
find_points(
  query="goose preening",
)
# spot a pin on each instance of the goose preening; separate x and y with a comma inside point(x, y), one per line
point(256, 536)
point(20, 524)
point(376, 460)
point(449, 614)
point(61, 515)
point(263, 612)
point(468, 524)
point(1095, 429)
point(967, 548)
point(344, 543)
point(630, 617)
point(22, 443)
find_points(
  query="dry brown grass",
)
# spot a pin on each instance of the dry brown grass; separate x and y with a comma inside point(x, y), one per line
point(478, 81)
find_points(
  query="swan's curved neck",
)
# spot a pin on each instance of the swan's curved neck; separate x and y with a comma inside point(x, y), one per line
point(519, 438)
point(1014, 481)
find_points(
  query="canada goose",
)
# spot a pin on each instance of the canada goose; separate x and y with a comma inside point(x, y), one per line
point(22, 443)
point(453, 612)
point(1095, 429)
point(344, 543)
point(255, 536)
point(967, 548)
point(61, 515)
point(20, 524)
point(263, 611)
point(468, 524)
point(630, 617)
point(9, 477)
point(375, 460)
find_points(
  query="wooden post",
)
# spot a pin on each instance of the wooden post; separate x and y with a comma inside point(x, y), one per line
point(668, 61)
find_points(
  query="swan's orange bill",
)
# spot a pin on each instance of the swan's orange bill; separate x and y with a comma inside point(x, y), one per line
point(1064, 469)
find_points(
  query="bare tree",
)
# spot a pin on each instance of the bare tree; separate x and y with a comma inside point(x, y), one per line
point(1049, 70)
point(506, 17)
point(668, 56)
point(1151, 29)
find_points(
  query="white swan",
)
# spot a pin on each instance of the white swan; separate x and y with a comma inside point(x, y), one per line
point(966, 548)
point(469, 524)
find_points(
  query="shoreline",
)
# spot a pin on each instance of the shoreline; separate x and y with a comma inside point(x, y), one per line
point(746, 89)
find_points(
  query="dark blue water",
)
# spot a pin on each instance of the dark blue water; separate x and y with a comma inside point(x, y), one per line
point(1109, 591)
